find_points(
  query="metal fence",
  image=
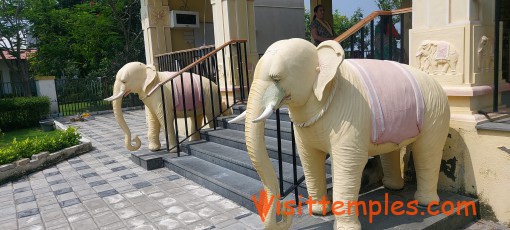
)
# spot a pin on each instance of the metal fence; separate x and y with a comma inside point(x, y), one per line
point(177, 60)
point(15, 89)
point(77, 96)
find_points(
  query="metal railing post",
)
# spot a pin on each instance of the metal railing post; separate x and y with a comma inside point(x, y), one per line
point(497, 19)
point(280, 159)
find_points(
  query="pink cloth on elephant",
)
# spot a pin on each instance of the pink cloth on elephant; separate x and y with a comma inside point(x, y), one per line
point(188, 90)
point(395, 99)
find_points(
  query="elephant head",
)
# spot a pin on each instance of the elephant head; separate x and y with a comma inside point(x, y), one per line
point(134, 77)
point(292, 72)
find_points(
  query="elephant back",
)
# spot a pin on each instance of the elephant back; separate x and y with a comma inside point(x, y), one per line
point(395, 99)
point(187, 91)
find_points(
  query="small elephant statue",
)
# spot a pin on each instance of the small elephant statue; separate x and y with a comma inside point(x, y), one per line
point(351, 109)
point(136, 77)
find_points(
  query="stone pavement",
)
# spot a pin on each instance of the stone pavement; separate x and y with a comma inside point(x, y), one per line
point(103, 189)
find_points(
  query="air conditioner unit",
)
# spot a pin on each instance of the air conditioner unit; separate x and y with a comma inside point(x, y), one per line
point(184, 19)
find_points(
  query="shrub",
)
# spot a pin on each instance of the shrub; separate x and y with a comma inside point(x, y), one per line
point(22, 112)
point(28, 147)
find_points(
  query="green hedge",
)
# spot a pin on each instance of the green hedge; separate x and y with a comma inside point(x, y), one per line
point(28, 147)
point(22, 112)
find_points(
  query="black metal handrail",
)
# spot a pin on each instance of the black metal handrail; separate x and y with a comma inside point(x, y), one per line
point(205, 63)
point(495, 93)
point(376, 37)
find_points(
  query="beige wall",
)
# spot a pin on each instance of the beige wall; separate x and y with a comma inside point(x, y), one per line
point(184, 38)
point(476, 163)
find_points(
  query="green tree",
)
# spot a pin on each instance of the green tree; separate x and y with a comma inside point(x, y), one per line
point(345, 23)
point(340, 22)
point(90, 39)
point(388, 4)
point(308, 35)
point(13, 39)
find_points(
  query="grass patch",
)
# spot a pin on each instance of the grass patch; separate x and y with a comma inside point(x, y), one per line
point(24, 148)
point(22, 134)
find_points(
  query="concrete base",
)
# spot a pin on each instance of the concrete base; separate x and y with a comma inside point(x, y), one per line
point(150, 160)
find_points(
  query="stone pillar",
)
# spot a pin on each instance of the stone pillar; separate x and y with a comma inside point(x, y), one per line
point(453, 40)
point(46, 87)
point(234, 19)
point(156, 28)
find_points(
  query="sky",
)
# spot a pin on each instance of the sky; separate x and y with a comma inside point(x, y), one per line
point(347, 7)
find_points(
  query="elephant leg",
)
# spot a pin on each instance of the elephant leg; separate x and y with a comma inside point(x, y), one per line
point(427, 154)
point(314, 168)
point(391, 168)
point(196, 135)
point(171, 136)
point(210, 119)
point(348, 166)
point(153, 130)
point(172, 142)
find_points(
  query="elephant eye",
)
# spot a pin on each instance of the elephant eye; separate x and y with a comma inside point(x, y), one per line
point(275, 78)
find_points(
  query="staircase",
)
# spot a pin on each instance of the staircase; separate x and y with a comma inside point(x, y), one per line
point(221, 163)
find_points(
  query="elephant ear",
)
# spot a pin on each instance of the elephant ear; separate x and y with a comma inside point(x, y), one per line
point(331, 55)
point(151, 76)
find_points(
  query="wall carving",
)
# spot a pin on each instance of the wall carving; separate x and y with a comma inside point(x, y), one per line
point(485, 54)
point(437, 57)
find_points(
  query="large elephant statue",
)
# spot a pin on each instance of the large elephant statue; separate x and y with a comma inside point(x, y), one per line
point(351, 109)
point(136, 77)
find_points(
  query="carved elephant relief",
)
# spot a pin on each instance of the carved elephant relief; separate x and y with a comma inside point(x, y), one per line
point(485, 54)
point(437, 57)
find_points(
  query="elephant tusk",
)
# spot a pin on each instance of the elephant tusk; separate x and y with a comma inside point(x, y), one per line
point(115, 97)
point(241, 117)
point(267, 112)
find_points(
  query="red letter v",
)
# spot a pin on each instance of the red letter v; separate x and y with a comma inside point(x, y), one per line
point(262, 204)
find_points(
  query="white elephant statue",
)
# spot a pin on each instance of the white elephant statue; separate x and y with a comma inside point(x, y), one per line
point(351, 109)
point(136, 77)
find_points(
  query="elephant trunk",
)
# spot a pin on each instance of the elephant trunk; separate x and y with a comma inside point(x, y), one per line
point(116, 100)
point(258, 153)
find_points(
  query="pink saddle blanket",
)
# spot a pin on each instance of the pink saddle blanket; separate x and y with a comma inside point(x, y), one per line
point(188, 90)
point(394, 97)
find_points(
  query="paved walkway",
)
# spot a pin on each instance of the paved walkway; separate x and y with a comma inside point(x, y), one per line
point(103, 189)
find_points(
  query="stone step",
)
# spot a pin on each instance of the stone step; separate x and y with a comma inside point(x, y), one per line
point(372, 174)
point(230, 184)
point(271, 127)
point(239, 161)
point(235, 139)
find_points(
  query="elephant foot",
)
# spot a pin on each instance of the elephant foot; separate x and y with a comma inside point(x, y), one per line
point(350, 225)
point(318, 209)
point(154, 147)
point(194, 137)
point(424, 199)
point(393, 184)
point(173, 150)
